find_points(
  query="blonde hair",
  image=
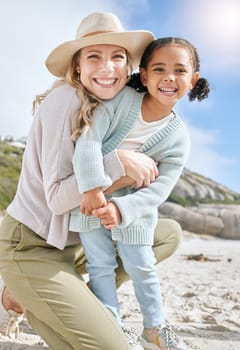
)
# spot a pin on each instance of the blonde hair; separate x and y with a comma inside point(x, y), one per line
point(89, 102)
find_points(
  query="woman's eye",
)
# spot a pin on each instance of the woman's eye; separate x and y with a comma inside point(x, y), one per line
point(92, 56)
point(119, 57)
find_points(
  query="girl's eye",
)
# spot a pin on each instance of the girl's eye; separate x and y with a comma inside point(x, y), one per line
point(158, 69)
point(181, 70)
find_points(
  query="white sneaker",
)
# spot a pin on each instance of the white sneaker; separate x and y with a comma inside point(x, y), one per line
point(164, 338)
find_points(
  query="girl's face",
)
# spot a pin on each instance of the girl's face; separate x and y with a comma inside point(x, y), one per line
point(169, 74)
point(103, 69)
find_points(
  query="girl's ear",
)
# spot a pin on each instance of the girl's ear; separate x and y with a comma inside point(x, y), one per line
point(143, 76)
point(194, 80)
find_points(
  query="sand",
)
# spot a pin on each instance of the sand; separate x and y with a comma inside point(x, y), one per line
point(201, 295)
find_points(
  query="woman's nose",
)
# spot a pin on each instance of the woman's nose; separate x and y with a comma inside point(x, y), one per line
point(106, 66)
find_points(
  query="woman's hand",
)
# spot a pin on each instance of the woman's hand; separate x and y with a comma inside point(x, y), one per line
point(141, 168)
point(10, 303)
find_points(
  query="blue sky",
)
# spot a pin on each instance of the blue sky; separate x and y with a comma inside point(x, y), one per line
point(29, 30)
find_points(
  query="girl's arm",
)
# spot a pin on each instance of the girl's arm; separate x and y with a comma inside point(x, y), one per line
point(124, 210)
point(52, 130)
point(171, 163)
point(50, 135)
point(88, 158)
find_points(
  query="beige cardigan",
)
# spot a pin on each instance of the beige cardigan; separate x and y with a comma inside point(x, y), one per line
point(47, 187)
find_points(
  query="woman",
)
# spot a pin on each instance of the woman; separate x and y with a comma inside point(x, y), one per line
point(40, 261)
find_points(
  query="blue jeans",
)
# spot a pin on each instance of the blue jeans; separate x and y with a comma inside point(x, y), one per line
point(138, 262)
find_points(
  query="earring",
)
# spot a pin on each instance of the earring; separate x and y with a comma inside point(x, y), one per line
point(78, 76)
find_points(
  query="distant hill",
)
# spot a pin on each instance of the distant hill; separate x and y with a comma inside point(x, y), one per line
point(10, 166)
point(191, 189)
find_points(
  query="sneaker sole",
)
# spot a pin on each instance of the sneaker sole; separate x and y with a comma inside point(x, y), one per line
point(149, 346)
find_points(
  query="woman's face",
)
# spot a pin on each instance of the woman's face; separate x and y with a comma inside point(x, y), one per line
point(103, 69)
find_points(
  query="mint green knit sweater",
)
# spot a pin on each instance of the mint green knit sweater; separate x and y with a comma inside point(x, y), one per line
point(139, 208)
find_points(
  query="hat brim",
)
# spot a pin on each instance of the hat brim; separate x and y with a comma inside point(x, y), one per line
point(133, 41)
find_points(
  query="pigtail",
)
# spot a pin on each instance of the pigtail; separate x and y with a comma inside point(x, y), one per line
point(200, 90)
point(135, 82)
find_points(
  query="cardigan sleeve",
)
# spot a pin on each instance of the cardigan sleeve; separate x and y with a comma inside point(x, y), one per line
point(54, 150)
point(171, 163)
point(96, 140)
point(87, 160)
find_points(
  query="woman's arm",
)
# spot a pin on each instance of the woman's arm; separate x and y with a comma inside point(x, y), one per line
point(124, 181)
point(140, 170)
point(138, 166)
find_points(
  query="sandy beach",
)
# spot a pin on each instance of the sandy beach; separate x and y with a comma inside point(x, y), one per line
point(201, 292)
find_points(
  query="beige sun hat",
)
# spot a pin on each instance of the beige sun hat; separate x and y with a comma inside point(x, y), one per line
point(99, 28)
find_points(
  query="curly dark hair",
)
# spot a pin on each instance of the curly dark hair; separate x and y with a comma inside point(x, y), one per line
point(200, 90)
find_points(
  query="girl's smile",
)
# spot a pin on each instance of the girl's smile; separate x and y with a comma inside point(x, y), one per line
point(169, 76)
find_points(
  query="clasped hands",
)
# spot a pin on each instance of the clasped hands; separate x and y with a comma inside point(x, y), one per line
point(140, 170)
point(94, 203)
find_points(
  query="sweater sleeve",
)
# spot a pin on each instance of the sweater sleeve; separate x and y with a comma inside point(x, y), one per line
point(171, 164)
point(87, 161)
point(51, 139)
point(90, 168)
point(55, 148)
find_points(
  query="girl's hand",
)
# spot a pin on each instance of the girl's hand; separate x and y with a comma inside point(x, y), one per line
point(93, 199)
point(141, 168)
point(109, 215)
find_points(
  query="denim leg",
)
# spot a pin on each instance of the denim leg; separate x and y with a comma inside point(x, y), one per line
point(101, 264)
point(139, 263)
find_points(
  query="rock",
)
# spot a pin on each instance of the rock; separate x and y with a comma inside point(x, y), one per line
point(203, 206)
point(230, 216)
point(211, 219)
point(190, 220)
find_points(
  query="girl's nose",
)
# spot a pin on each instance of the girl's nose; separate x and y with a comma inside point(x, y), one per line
point(169, 77)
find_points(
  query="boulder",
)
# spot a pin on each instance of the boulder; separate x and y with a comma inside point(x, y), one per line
point(211, 219)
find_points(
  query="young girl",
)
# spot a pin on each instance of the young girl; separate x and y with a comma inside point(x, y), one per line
point(41, 262)
point(144, 122)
